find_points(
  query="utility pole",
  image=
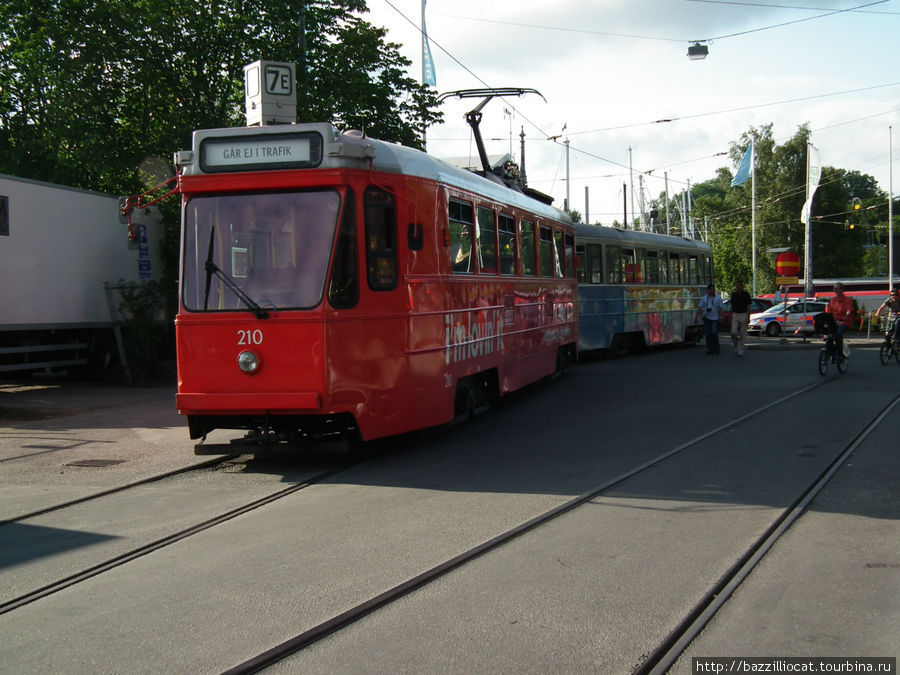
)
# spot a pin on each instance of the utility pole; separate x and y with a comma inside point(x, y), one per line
point(631, 180)
point(690, 211)
point(587, 202)
point(522, 156)
point(666, 175)
point(891, 208)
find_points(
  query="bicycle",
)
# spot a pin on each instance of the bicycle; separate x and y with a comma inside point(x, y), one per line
point(889, 348)
point(825, 326)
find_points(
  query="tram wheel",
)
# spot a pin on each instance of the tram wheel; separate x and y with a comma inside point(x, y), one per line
point(823, 362)
point(562, 362)
point(466, 402)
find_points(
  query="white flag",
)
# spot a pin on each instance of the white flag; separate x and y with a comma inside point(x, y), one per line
point(813, 174)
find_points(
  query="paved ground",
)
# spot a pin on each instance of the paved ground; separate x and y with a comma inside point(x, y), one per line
point(563, 598)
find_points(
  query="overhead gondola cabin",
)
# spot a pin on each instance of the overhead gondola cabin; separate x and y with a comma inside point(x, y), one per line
point(337, 285)
point(638, 289)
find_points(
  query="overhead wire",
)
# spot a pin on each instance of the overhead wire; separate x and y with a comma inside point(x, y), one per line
point(795, 21)
point(781, 6)
point(555, 139)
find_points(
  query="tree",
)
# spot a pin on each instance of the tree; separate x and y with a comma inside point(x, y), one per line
point(780, 176)
point(89, 89)
point(99, 94)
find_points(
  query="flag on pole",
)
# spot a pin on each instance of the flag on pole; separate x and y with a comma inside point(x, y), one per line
point(813, 173)
point(743, 170)
point(428, 74)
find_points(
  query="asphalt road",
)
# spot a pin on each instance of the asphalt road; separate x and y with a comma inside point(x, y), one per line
point(593, 591)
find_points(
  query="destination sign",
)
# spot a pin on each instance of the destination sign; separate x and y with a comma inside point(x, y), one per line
point(267, 151)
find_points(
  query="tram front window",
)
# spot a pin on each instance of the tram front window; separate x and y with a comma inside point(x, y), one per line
point(273, 247)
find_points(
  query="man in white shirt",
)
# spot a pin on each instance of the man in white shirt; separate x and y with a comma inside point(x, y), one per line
point(709, 307)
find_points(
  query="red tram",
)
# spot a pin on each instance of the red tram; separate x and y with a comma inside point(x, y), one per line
point(333, 284)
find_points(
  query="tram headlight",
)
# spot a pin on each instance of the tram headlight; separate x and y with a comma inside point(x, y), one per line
point(248, 362)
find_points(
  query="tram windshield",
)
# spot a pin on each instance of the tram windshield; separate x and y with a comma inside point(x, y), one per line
point(272, 249)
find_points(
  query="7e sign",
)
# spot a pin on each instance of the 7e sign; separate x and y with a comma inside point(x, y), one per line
point(279, 79)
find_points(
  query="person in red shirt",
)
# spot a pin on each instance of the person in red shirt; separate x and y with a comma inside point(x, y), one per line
point(841, 308)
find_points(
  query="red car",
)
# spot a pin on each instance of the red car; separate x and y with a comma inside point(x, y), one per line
point(756, 305)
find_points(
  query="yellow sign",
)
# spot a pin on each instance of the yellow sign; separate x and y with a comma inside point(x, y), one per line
point(786, 281)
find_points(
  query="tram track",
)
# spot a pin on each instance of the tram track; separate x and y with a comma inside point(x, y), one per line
point(119, 560)
point(381, 600)
point(211, 463)
point(660, 659)
point(669, 650)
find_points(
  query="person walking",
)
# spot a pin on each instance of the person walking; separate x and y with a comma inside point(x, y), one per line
point(709, 307)
point(740, 316)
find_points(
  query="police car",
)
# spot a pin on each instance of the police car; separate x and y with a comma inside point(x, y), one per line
point(787, 316)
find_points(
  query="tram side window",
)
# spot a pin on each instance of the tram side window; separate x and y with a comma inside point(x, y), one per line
point(381, 240)
point(462, 230)
point(663, 261)
point(343, 288)
point(708, 269)
point(652, 269)
point(613, 265)
point(487, 241)
point(570, 256)
point(640, 264)
point(507, 236)
point(559, 256)
point(528, 267)
point(581, 254)
point(675, 268)
point(693, 270)
point(631, 266)
point(545, 252)
point(593, 264)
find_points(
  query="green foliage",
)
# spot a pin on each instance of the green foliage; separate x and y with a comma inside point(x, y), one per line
point(93, 92)
point(144, 328)
point(99, 94)
point(838, 250)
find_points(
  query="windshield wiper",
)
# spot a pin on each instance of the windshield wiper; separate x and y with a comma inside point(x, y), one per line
point(211, 268)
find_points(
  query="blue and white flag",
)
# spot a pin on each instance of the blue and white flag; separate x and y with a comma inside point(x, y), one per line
point(428, 74)
point(743, 170)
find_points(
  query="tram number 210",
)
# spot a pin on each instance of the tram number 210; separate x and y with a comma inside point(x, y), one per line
point(250, 337)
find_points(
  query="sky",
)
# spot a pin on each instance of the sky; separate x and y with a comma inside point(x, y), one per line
point(611, 70)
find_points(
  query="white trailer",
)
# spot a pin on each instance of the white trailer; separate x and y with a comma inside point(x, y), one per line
point(60, 250)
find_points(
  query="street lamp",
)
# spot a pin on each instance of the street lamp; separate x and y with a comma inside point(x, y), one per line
point(697, 51)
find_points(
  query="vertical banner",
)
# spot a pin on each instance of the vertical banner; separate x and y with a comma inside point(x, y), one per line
point(813, 174)
point(428, 74)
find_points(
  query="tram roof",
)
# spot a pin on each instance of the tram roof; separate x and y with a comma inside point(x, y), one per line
point(585, 232)
point(353, 150)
